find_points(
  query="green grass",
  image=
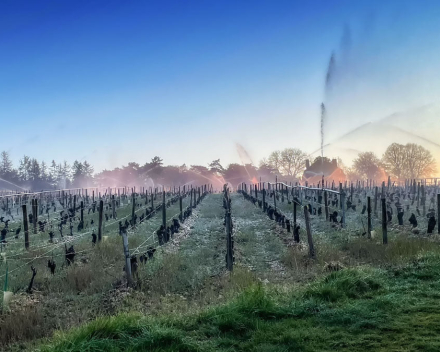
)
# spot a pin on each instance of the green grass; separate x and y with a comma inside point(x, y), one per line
point(360, 309)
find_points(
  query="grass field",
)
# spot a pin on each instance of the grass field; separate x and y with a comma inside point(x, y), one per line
point(360, 309)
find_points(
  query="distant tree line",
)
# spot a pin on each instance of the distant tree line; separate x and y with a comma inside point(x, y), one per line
point(399, 161)
point(35, 175)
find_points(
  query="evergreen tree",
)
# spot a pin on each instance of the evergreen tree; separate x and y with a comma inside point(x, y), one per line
point(44, 172)
point(53, 174)
point(24, 168)
point(6, 168)
point(88, 173)
point(34, 170)
point(77, 173)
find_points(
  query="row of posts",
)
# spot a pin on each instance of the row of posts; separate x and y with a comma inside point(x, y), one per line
point(195, 194)
point(195, 199)
point(342, 195)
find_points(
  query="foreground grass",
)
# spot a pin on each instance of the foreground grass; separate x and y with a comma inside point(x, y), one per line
point(363, 309)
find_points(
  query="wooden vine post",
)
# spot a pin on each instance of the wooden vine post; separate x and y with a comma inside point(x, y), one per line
point(418, 194)
point(369, 217)
point(164, 211)
point(342, 198)
point(100, 210)
point(295, 232)
point(264, 199)
point(114, 206)
point(228, 230)
point(133, 201)
point(127, 256)
point(26, 227)
point(180, 206)
point(309, 233)
point(34, 214)
point(384, 221)
point(375, 200)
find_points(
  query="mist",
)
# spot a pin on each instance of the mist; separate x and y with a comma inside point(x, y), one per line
point(377, 92)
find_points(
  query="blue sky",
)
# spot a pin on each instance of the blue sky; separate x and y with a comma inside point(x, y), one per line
point(117, 81)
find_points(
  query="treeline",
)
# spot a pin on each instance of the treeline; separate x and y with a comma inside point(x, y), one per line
point(156, 173)
point(399, 161)
point(32, 174)
point(35, 175)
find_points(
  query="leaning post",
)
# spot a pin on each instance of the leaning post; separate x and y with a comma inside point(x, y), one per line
point(309, 233)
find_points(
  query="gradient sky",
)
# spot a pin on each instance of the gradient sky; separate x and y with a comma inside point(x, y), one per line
point(119, 81)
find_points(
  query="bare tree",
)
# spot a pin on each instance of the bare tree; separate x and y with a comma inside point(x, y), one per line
point(274, 161)
point(293, 161)
point(408, 161)
point(288, 162)
point(393, 160)
point(367, 165)
point(419, 161)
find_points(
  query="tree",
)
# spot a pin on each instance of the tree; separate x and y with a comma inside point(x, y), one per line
point(419, 161)
point(44, 172)
point(6, 168)
point(34, 170)
point(199, 169)
point(265, 170)
point(393, 160)
point(367, 165)
point(53, 174)
point(408, 161)
point(216, 167)
point(88, 173)
point(77, 173)
point(24, 168)
point(64, 175)
point(293, 161)
point(274, 161)
point(67, 170)
point(156, 161)
point(322, 165)
point(154, 168)
point(352, 174)
point(237, 173)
